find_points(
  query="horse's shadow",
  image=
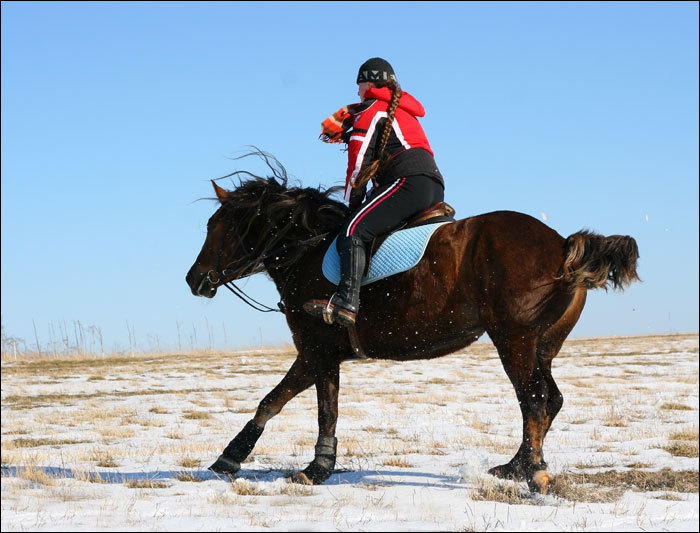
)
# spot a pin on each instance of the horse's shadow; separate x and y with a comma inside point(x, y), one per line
point(339, 477)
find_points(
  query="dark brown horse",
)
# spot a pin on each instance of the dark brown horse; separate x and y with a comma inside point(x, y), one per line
point(503, 273)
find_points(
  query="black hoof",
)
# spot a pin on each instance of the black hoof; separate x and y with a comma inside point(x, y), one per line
point(314, 474)
point(225, 465)
point(509, 471)
point(517, 470)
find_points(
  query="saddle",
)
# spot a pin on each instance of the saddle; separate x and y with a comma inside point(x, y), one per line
point(440, 212)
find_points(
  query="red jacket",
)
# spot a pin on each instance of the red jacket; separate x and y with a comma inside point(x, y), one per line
point(407, 147)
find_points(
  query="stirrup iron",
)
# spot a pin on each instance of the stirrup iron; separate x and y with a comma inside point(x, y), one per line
point(328, 312)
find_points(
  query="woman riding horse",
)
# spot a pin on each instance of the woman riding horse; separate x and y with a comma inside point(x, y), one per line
point(386, 144)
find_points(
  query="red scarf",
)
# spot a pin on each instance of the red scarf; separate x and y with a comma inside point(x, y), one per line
point(336, 128)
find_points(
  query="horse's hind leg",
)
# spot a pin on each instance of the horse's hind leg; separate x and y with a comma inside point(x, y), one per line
point(539, 400)
point(299, 378)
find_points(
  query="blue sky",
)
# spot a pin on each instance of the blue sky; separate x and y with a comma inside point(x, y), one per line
point(116, 115)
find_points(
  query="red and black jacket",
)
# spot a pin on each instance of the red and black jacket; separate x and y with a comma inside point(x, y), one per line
point(407, 148)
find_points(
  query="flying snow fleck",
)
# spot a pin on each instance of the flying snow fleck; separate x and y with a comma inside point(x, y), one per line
point(544, 215)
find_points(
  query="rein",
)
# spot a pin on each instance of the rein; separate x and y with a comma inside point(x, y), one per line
point(215, 277)
point(243, 296)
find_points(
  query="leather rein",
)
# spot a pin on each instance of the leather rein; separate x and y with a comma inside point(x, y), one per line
point(215, 276)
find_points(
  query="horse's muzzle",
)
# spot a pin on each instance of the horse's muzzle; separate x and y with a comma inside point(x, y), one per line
point(200, 283)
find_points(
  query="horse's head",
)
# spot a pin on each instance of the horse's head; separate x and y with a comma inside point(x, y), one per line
point(223, 248)
point(255, 225)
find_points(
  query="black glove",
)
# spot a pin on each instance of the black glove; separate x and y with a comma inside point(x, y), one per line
point(357, 196)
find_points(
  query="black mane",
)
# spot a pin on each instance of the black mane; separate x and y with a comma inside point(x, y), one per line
point(268, 212)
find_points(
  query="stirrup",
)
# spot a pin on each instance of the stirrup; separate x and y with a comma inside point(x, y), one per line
point(327, 312)
point(330, 312)
point(318, 309)
point(345, 317)
point(338, 314)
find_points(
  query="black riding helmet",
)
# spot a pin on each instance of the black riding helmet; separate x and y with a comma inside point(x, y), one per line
point(375, 69)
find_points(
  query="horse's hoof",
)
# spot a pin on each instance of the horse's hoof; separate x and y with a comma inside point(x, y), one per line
point(314, 474)
point(225, 465)
point(300, 477)
point(539, 482)
point(508, 471)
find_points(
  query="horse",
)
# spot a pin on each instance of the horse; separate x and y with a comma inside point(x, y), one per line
point(503, 273)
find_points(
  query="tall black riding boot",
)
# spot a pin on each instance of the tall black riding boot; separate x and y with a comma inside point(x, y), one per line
point(342, 307)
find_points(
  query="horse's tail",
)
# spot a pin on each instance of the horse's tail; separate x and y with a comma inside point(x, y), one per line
point(591, 261)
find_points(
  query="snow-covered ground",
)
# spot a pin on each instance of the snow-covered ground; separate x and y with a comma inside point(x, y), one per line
point(123, 443)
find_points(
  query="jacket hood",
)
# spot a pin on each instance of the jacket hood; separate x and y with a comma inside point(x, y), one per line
point(406, 102)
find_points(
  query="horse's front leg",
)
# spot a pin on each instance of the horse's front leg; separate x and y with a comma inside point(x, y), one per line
point(327, 384)
point(299, 378)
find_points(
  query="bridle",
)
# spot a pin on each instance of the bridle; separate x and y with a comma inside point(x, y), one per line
point(215, 277)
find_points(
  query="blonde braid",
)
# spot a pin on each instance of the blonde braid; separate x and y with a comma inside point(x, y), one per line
point(370, 170)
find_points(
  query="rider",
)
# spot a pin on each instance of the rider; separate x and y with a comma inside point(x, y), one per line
point(387, 145)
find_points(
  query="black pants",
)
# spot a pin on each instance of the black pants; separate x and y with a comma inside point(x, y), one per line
point(390, 205)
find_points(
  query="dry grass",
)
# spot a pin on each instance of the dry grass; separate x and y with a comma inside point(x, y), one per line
point(610, 484)
point(574, 489)
point(116, 432)
point(691, 434)
point(297, 490)
point(36, 475)
point(174, 434)
point(189, 462)
point(146, 484)
point(197, 415)
point(104, 458)
point(613, 419)
point(243, 487)
point(397, 461)
point(132, 410)
point(33, 443)
point(682, 449)
point(673, 406)
point(495, 490)
point(188, 478)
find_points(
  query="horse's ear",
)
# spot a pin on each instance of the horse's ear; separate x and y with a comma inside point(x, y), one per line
point(222, 194)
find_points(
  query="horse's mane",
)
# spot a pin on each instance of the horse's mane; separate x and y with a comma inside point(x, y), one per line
point(270, 211)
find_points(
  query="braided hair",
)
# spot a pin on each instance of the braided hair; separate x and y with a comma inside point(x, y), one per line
point(371, 170)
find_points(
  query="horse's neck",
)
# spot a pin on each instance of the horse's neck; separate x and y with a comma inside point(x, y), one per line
point(281, 276)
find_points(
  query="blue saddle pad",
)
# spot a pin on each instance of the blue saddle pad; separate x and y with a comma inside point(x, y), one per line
point(400, 251)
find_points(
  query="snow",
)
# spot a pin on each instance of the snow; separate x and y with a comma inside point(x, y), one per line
point(415, 442)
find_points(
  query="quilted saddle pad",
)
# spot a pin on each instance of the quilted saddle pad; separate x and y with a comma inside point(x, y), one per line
point(400, 251)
